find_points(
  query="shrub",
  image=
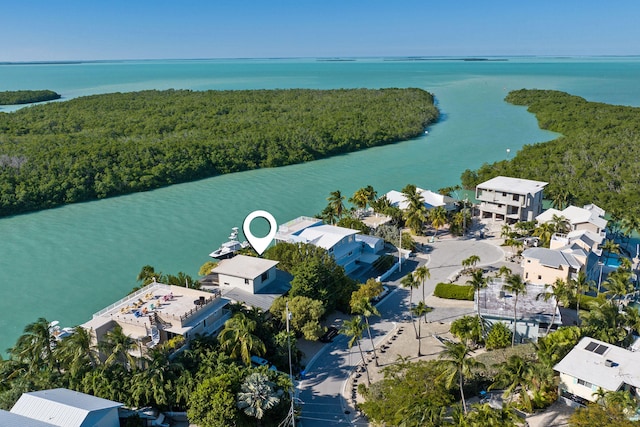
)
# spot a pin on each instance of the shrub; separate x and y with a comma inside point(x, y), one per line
point(453, 291)
point(585, 301)
point(383, 263)
point(498, 337)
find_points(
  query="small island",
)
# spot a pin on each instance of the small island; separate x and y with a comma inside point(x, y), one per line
point(16, 97)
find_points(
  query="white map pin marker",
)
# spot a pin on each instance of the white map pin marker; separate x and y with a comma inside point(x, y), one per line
point(259, 244)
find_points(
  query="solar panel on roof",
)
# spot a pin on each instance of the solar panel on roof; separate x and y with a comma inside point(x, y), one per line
point(601, 349)
point(591, 346)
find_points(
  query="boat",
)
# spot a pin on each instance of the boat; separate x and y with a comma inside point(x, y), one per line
point(229, 248)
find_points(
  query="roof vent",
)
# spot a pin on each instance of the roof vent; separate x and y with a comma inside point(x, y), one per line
point(608, 363)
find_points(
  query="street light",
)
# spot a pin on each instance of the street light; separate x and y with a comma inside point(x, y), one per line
point(400, 249)
point(293, 414)
point(601, 264)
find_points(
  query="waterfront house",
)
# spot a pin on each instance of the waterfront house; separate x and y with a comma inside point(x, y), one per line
point(346, 245)
point(510, 199)
point(593, 365)
point(533, 314)
point(431, 199)
point(544, 266)
point(65, 408)
point(590, 218)
point(157, 313)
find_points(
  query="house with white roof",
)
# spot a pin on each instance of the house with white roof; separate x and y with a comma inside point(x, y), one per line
point(590, 218)
point(533, 314)
point(592, 365)
point(64, 408)
point(251, 274)
point(14, 420)
point(431, 199)
point(543, 266)
point(346, 245)
point(157, 313)
point(510, 199)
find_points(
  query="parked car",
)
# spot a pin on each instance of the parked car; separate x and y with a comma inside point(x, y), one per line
point(259, 361)
point(329, 335)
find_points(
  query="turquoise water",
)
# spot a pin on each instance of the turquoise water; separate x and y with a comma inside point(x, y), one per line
point(69, 262)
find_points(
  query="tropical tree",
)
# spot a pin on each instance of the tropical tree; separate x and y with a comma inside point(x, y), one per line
point(580, 285)
point(517, 286)
point(483, 414)
point(257, 395)
point(148, 275)
point(362, 197)
point(513, 376)
point(604, 321)
point(422, 273)
point(117, 347)
point(354, 328)
point(618, 284)
point(410, 282)
point(336, 203)
point(560, 224)
point(415, 212)
point(367, 309)
point(471, 262)
point(76, 353)
point(630, 224)
point(458, 364)
point(560, 292)
point(544, 232)
point(420, 310)
point(468, 329)
point(610, 247)
point(238, 340)
point(35, 345)
point(438, 218)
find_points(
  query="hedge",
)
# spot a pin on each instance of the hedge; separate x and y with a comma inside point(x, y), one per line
point(453, 291)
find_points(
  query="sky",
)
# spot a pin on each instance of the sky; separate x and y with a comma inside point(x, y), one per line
point(51, 30)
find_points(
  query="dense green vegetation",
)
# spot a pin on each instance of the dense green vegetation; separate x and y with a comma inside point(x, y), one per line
point(594, 161)
point(453, 291)
point(105, 145)
point(14, 97)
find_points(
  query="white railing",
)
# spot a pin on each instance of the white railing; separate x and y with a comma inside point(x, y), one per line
point(130, 297)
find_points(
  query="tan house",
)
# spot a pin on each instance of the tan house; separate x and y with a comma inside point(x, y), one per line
point(158, 312)
point(510, 199)
point(543, 266)
point(593, 365)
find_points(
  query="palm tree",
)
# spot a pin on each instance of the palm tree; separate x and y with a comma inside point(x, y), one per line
point(438, 218)
point(560, 292)
point(513, 374)
point(471, 262)
point(544, 232)
point(336, 203)
point(515, 285)
point(76, 352)
point(420, 310)
point(610, 247)
point(257, 395)
point(478, 281)
point(630, 224)
point(618, 284)
point(117, 346)
point(360, 198)
point(367, 309)
point(415, 213)
point(409, 281)
point(457, 363)
point(505, 231)
point(238, 340)
point(35, 345)
point(354, 329)
point(422, 273)
point(560, 224)
point(604, 321)
point(580, 285)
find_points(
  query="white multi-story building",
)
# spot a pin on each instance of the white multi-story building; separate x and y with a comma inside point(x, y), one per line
point(510, 199)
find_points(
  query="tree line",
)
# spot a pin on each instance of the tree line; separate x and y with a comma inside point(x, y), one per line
point(594, 161)
point(105, 145)
point(15, 97)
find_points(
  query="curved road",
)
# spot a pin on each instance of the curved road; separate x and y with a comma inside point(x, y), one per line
point(320, 392)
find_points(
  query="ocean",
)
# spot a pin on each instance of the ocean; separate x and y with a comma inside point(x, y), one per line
point(67, 263)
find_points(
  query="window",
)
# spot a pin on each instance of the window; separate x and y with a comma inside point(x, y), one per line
point(265, 276)
point(539, 277)
point(526, 276)
point(516, 197)
point(246, 281)
point(504, 194)
point(584, 383)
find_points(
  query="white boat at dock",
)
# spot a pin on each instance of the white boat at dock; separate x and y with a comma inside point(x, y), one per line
point(229, 248)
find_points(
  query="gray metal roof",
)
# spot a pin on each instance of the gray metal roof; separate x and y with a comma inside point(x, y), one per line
point(513, 185)
point(61, 407)
point(552, 258)
point(496, 302)
point(15, 420)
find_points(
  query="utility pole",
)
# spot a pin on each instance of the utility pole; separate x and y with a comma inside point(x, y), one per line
point(400, 250)
point(292, 393)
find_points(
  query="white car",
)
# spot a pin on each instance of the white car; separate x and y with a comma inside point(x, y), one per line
point(381, 295)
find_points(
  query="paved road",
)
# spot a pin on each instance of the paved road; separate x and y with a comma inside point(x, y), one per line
point(326, 373)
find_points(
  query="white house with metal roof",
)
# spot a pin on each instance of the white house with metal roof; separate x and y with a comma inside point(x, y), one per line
point(67, 408)
point(590, 217)
point(431, 199)
point(592, 365)
point(346, 245)
point(510, 199)
point(14, 420)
